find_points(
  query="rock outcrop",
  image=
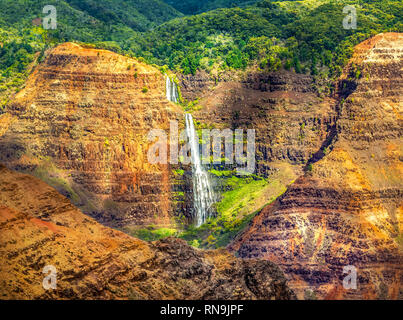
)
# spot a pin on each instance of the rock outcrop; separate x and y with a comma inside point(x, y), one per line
point(347, 209)
point(81, 125)
point(39, 228)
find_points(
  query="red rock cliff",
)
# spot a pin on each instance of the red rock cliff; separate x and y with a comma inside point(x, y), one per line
point(39, 227)
point(81, 125)
point(348, 210)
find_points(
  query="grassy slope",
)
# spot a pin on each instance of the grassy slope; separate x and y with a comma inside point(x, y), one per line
point(244, 199)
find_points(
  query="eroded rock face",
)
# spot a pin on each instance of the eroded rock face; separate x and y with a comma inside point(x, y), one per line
point(194, 86)
point(291, 118)
point(348, 209)
point(40, 227)
point(81, 125)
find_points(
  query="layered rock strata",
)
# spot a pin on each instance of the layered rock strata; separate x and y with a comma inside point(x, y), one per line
point(291, 119)
point(81, 125)
point(347, 209)
point(40, 228)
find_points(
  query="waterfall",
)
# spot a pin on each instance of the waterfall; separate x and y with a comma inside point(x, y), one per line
point(202, 191)
point(171, 89)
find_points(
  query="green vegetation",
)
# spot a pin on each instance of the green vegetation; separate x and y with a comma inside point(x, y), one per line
point(54, 179)
point(18, 50)
point(243, 191)
point(241, 199)
point(152, 233)
point(198, 6)
point(216, 39)
point(221, 173)
point(217, 232)
point(399, 240)
point(191, 106)
point(235, 211)
point(179, 172)
point(245, 197)
point(270, 34)
point(179, 193)
point(139, 15)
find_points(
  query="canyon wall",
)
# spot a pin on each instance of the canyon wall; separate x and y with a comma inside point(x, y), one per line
point(290, 117)
point(292, 114)
point(347, 209)
point(39, 227)
point(81, 123)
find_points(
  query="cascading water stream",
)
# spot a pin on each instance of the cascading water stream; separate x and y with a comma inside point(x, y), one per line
point(203, 195)
point(171, 89)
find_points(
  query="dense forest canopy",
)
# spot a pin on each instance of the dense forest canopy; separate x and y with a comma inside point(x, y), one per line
point(304, 36)
point(287, 36)
point(198, 6)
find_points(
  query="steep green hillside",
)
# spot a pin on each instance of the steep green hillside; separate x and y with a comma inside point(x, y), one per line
point(278, 34)
point(197, 6)
point(139, 15)
point(223, 37)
